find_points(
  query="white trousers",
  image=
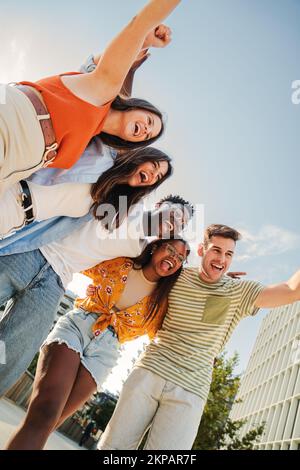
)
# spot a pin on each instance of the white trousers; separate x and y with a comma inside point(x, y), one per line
point(22, 142)
point(147, 400)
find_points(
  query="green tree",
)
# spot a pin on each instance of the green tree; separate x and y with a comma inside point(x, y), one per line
point(105, 413)
point(216, 430)
point(33, 364)
point(98, 410)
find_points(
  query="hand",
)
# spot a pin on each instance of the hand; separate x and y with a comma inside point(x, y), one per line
point(236, 275)
point(91, 290)
point(159, 37)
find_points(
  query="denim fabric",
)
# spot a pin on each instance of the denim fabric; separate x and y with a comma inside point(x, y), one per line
point(95, 160)
point(98, 354)
point(33, 292)
point(39, 234)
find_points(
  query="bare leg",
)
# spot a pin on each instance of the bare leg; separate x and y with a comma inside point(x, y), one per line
point(83, 388)
point(56, 373)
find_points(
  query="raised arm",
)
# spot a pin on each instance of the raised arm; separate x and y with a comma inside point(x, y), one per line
point(280, 294)
point(106, 81)
point(126, 89)
point(157, 38)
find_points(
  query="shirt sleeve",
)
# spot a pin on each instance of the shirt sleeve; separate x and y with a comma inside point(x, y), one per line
point(249, 294)
point(88, 66)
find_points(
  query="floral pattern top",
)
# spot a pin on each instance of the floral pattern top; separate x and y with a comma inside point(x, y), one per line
point(110, 279)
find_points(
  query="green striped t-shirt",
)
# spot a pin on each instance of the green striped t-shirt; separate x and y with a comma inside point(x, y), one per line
point(200, 320)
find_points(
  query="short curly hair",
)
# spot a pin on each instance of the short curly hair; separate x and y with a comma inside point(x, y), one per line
point(176, 199)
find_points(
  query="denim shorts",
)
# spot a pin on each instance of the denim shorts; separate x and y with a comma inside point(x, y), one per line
point(98, 354)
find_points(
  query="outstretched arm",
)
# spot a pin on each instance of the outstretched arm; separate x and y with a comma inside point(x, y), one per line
point(280, 294)
point(126, 90)
point(105, 82)
point(127, 86)
point(158, 38)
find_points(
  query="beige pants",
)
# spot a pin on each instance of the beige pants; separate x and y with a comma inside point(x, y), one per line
point(147, 400)
point(22, 143)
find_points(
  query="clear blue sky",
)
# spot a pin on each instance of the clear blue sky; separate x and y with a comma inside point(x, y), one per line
point(225, 84)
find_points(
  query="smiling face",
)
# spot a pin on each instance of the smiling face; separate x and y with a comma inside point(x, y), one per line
point(175, 218)
point(138, 125)
point(168, 258)
point(216, 258)
point(148, 173)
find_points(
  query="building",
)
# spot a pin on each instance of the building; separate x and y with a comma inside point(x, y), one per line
point(270, 387)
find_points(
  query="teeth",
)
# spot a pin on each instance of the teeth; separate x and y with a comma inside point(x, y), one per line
point(169, 263)
point(217, 266)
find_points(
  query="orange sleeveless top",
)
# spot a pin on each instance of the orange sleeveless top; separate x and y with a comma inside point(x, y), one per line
point(74, 120)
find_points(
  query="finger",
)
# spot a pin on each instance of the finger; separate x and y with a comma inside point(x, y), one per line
point(238, 273)
point(165, 40)
point(161, 28)
point(160, 32)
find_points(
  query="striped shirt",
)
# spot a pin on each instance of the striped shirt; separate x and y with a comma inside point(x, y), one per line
point(200, 320)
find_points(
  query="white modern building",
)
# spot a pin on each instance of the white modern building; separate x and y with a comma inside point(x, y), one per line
point(270, 387)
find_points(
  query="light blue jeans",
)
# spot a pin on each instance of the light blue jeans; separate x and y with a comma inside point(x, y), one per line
point(32, 292)
point(98, 354)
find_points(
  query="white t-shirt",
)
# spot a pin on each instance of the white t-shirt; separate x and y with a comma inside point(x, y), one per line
point(92, 244)
point(66, 199)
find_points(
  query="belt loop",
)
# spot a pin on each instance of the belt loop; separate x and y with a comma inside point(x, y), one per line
point(27, 202)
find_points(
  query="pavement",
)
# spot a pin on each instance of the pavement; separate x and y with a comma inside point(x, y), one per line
point(12, 415)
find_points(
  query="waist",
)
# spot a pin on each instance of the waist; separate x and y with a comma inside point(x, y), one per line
point(36, 92)
point(111, 328)
point(44, 119)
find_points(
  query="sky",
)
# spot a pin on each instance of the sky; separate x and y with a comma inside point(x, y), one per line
point(225, 86)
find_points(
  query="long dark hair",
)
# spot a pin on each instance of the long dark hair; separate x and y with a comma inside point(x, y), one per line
point(108, 189)
point(129, 104)
point(165, 284)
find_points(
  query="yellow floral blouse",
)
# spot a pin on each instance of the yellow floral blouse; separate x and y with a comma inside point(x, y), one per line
point(110, 278)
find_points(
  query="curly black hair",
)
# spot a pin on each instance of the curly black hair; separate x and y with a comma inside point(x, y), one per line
point(176, 199)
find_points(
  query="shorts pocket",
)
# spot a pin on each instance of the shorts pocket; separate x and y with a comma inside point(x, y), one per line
point(216, 309)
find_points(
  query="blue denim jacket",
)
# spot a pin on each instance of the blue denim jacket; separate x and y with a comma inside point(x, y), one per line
point(38, 234)
point(95, 160)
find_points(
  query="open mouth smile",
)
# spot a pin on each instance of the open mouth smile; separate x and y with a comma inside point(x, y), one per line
point(144, 177)
point(218, 267)
point(167, 264)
